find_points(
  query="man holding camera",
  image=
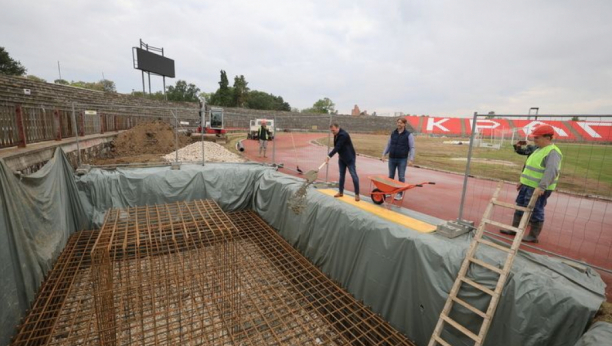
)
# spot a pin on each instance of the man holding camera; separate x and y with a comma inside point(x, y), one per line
point(539, 177)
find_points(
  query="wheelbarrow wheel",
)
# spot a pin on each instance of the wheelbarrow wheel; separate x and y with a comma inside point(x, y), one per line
point(377, 198)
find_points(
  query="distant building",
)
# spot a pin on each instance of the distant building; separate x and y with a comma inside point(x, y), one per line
point(355, 111)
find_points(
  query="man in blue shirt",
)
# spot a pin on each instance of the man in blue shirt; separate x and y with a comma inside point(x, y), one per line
point(346, 158)
point(400, 149)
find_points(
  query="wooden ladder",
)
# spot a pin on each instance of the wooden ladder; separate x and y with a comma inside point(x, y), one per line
point(495, 293)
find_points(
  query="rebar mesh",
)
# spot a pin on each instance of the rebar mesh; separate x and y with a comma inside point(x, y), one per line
point(187, 273)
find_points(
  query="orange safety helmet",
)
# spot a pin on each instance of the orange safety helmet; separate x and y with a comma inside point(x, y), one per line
point(543, 130)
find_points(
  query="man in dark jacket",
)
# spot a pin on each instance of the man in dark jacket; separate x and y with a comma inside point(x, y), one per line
point(400, 149)
point(264, 135)
point(346, 158)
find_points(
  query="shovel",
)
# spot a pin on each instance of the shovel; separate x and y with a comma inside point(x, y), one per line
point(311, 175)
point(296, 158)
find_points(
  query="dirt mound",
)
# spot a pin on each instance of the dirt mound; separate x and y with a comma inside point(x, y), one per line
point(148, 138)
point(146, 142)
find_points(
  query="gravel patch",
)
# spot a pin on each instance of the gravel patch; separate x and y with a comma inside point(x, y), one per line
point(212, 151)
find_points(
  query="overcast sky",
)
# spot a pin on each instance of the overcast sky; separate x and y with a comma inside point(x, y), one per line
point(443, 58)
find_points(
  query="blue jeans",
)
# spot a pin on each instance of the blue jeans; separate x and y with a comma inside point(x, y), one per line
point(525, 193)
point(400, 165)
point(352, 171)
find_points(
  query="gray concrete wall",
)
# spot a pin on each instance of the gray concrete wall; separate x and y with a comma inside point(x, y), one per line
point(27, 161)
point(241, 117)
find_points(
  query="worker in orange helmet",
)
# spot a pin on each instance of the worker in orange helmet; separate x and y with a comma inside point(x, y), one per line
point(539, 177)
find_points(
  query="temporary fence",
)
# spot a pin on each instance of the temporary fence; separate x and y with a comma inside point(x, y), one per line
point(578, 217)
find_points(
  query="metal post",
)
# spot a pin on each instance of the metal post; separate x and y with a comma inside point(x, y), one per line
point(467, 168)
point(149, 73)
point(76, 135)
point(57, 122)
point(176, 135)
point(144, 91)
point(21, 130)
point(165, 95)
point(328, 148)
point(274, 141)
point(202, 122)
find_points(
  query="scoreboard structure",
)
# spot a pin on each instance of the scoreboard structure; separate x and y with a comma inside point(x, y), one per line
point(149, 59)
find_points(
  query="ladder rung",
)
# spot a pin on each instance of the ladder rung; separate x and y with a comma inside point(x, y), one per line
point(441, 341)
point(503, 225)
point(478, 286)
point(469, 307)
point(497, 246)
point(486, 265)
point(460, 328)
point(510, 205)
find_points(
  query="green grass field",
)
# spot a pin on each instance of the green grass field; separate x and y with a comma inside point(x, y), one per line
point(586, 168)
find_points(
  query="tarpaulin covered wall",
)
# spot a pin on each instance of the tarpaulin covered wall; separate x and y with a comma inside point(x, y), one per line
point(401, 274)
point(598, 335)
point(37, 215)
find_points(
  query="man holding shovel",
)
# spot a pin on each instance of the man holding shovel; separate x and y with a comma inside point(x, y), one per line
point(346, 158)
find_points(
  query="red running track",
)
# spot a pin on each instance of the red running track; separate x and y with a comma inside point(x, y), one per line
point(575, 227)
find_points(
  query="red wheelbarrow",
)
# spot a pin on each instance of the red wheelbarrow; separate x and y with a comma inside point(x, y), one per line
point(386, 186)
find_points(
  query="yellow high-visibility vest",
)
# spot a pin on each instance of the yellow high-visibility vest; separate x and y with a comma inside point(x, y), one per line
point(534, 171)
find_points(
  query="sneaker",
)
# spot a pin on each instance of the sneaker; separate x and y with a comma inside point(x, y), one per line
point(398, 197)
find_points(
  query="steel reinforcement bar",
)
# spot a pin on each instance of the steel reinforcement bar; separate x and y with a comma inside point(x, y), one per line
point(187, 273)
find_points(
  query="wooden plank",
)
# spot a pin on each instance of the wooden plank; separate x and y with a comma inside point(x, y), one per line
point(461, 328)
point(503, 225)
point(442, 342)
point(510, 206)
point(486, 265)
point(496, 246)
point(469, 307)
point(478, 286)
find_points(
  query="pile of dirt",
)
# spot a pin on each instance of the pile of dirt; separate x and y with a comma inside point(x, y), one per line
point(145, 142)
point(148, 138)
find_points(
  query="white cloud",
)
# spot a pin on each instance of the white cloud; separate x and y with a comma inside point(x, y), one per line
point(436, 57)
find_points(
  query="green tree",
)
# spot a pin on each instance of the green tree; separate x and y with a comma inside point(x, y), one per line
point(8, 66)
point(224, 96)
point(206, 96)
point(240, 92)
point(102, 85)
point(264, 101)
point(575, 118)
point(324, 105)
point(35, 78)
point(491, 115)
point(108, 86)
point(61, 81)
point(183, 92)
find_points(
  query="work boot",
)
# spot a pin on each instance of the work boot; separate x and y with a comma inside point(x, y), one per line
point(265, 153)
point(339, 194)
point(536, 228)
point(515, 223)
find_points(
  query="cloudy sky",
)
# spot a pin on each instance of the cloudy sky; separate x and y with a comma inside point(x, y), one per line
point(439, 57)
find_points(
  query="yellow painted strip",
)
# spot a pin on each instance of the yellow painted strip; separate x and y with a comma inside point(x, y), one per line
point(384, 213)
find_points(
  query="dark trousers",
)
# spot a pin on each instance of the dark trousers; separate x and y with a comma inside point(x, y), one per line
point(400, 166)
point(352, 170)
point(525, 193)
